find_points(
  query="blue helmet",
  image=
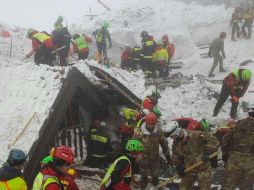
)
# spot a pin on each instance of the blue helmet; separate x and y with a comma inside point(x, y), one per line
point(16, 157)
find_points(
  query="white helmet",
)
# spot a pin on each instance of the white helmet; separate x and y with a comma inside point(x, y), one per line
point(172, 128)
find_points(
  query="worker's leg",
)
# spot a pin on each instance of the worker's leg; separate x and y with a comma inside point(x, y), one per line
point(224, 94)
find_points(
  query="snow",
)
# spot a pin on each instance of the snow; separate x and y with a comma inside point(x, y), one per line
point(26, 88)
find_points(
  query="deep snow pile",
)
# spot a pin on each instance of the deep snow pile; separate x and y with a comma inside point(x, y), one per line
point(26, 88)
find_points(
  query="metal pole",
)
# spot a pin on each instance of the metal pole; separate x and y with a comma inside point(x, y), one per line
point(11, 47)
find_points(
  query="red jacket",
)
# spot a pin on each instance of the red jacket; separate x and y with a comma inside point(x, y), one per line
point(170, 48)
point(189, 124)
point(50, 171)
point(148, 103)
point(68, 182)
point(235, 85)
point(125, 55)
point(126, 130)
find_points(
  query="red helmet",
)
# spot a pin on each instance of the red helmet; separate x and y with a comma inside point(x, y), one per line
point(164, 38)
point(151, 118)
point(64, 153)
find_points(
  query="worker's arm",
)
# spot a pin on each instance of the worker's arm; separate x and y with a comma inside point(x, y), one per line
point(121, 169)
point(245, 88)
point(164, 146)
point(222, 49)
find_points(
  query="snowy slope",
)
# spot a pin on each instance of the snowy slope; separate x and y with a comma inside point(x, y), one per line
point(26, 88)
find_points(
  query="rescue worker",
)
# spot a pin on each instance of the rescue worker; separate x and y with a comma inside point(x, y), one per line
point(188, 148)
point(238, 153)
point(136, 57)
point(43, 47)
point(168, 46)
point(102, 36)
point(62, 39)
point(248, 20)
point(80, 45)
point(234, 85)
point(59, 24)
point(126, 61)
point(119, 174)
point(152, 137)
point(235, 20)
point(193, 125)
point(217, 47)
point(49, 176)
point(67, 179)
point(148, 48)
point(100, 147)
point(11, 177)
point(151, 101)
point(129, 121)
point(160, 59)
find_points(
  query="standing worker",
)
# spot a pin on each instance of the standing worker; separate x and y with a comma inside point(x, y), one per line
point(160, 59)
point(215, 49)
point(234, 85)
point(248, 20)
point(11, 177)
point(235, 20)
point(59, 24)
point(102, 36)
point(238, 154)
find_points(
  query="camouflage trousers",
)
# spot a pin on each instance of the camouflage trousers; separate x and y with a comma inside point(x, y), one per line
point(239, 172)
point(152, 168)
point(204, 179)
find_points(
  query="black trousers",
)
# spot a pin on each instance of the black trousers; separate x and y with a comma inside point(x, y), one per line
point(225, 92)
point(235, 29)
point(44, 56)
point(248, 25)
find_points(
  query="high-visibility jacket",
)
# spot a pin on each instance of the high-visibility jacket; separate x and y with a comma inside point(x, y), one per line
point(14, 184)
point(136, 53)
point(107, 179)
point(160, 56)
point(44, 39)
point(42, 181)
point(148, 48)
point(81, 43)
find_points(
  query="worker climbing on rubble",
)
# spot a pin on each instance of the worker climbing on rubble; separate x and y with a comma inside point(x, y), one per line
point(67, 179)
point(234, 85)
point(11, 177)
point(160, 60)
point(248, 20)
point(59, 24)
point(100, 147)
point(43, 47)
point(151, 101)
point(193, 125)
point(152, 137)
point(217, 47)
point(62, 41)
point(148, 49)
point(119, 174)
point(190, 147)
point(235, 20)
point(49, 177)
point(102, 36)
point(80, 45)
point(238, 154)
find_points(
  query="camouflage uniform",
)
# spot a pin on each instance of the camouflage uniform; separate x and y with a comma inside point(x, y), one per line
point(215, 49)
point(150, 162)
point(238, 145)
point(190, 150)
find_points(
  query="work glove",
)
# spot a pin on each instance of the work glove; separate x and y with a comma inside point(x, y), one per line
point(180, 170)
point(205, 157)
point(234, 99)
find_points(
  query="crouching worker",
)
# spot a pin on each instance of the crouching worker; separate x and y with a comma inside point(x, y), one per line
point(119, 174)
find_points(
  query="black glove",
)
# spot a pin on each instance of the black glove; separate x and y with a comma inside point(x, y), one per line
point(205, 157)
point(180, 170)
